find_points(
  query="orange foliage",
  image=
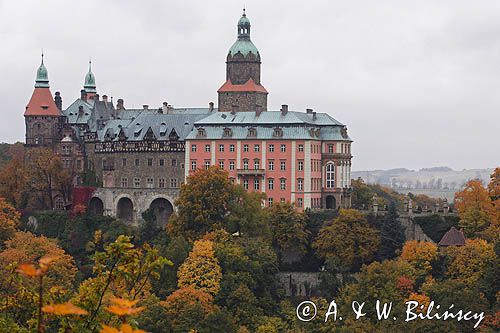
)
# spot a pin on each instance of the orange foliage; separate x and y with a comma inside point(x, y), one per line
point(125, 328)
point(9, 220)
point(474, 207)
point(64, 309)
point(186, 297)
point(419, 254)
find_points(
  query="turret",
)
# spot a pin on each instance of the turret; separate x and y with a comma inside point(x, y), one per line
point(89, 85)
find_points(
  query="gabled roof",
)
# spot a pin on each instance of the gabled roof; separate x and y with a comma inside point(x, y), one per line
point(73, 114)
point(249, 86)
point(42, 104)
point(453, 237)
point(268, 117)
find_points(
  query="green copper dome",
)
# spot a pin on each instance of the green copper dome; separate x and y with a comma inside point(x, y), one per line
point(89, 84)
point(243, 44)
point(42, 76)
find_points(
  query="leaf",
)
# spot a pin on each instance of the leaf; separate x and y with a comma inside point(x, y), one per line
point(64, 309)
point(29, 270)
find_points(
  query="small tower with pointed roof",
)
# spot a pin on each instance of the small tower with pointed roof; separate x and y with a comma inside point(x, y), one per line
point(42, 117)
point(89, 85)
point(242, 90)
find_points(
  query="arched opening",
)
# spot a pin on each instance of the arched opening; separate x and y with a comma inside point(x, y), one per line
point(96, 206)
point(125, 210)
point(162, 209)
point(331, 203)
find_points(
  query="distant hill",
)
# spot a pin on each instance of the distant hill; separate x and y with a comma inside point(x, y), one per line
point(440, 182)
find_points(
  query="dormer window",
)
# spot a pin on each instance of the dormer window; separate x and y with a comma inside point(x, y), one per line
point(278, 132)
point(173, 135)
point(227, 132)
point(202, 133)
point(252, 132)
point(163, 129)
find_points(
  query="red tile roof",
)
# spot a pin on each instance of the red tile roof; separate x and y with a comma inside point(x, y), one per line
point(249, 86)
point(453, 237)
point(42, 104)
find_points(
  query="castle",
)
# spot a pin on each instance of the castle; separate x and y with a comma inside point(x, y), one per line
point(140, 157)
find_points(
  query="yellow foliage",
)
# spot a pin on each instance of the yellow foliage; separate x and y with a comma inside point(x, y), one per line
point(419, 254)
point(9, 220)
point(201, 269)
point(64, 309)
point(125, 328)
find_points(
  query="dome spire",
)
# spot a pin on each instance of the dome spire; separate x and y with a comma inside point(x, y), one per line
point(42, 76)
point(89, 85)
point(244, 27)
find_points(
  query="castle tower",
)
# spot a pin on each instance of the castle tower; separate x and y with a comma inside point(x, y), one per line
point(42, 116)
point(89, 86)
point(242, 90)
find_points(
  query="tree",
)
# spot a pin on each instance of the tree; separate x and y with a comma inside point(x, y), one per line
point(46, 177)
point(469, 263)
point(9, 220)
point(209, 201)
point(348, 240)
point(201, 269)
point(474, 208)
point(392, 234)
point(492, 233)
point(288, 228)
point(14, 182)
point(362, 194)
point(420, 255)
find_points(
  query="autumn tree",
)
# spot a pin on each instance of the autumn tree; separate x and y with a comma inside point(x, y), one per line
point(9, 220)
point(475, 208)
point(209, 201)
point(492, 233)
point(46, 177)
point(201, 269)
point(469, 263)
point(420, 255)
point(348, 240)
point(288, 227)
point(14, 182)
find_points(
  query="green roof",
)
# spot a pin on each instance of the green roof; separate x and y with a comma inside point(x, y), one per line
point(89, 85)
point(42, 76)
point(243, 46)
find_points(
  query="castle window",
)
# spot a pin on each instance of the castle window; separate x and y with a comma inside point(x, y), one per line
point(173, 182)
point(201, 132)
point(299, 202)
point(252, 132)
point(193, 165)
point(283, 148)
point(301, 147)
point(256, 184)
point(137, 162)
point(270, 184)
point(282, 165)
point(245, 148)
point(231, 148)
point(278, 132)
point(256, 164)
point(137, 182)
point(283, 183)
point(256, 148)
point(245, 164)
point(124, 162)
point(207, 165)
point(330, 175)
point(193, 148)
point(150, 182)
point(271, 148)
point(174, 162)
point(221, 148)
point(161, 162)
point(59, 203)
point(221, 164)
point(269, 202)
point(231, 165)
point(245, 184)
point(161, 182)
point(300, 183)
point(227, 132)
point(207, 148)
point(330, 148)
point(301, 165)
point(150, 162)
point(124, 182)
point(271, 165)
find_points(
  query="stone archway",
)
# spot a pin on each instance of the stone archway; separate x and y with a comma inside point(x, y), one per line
point(162, 209)
point(125, 210)
point(96, 206)
point(331, 203)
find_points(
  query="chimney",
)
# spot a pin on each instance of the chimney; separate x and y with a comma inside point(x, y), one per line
point(309, 111)
point(105, 98)
point(165, 107)
point(58, 100)
point(145, 107)
point(258, 110)
point(210, 106)
point(83, 95)
point(119, 104)
point(234, 109)
point(80, 110)
point(314, 115)
point(284, 109)
point(96, 97)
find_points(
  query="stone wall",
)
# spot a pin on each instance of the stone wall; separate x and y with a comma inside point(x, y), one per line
point(299, 284)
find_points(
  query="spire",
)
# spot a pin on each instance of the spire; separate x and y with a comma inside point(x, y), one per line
point(244, 27)
point(42, 76)
point(89, 85)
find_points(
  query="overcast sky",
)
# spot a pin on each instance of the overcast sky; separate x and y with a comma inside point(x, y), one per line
point(416, 82)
